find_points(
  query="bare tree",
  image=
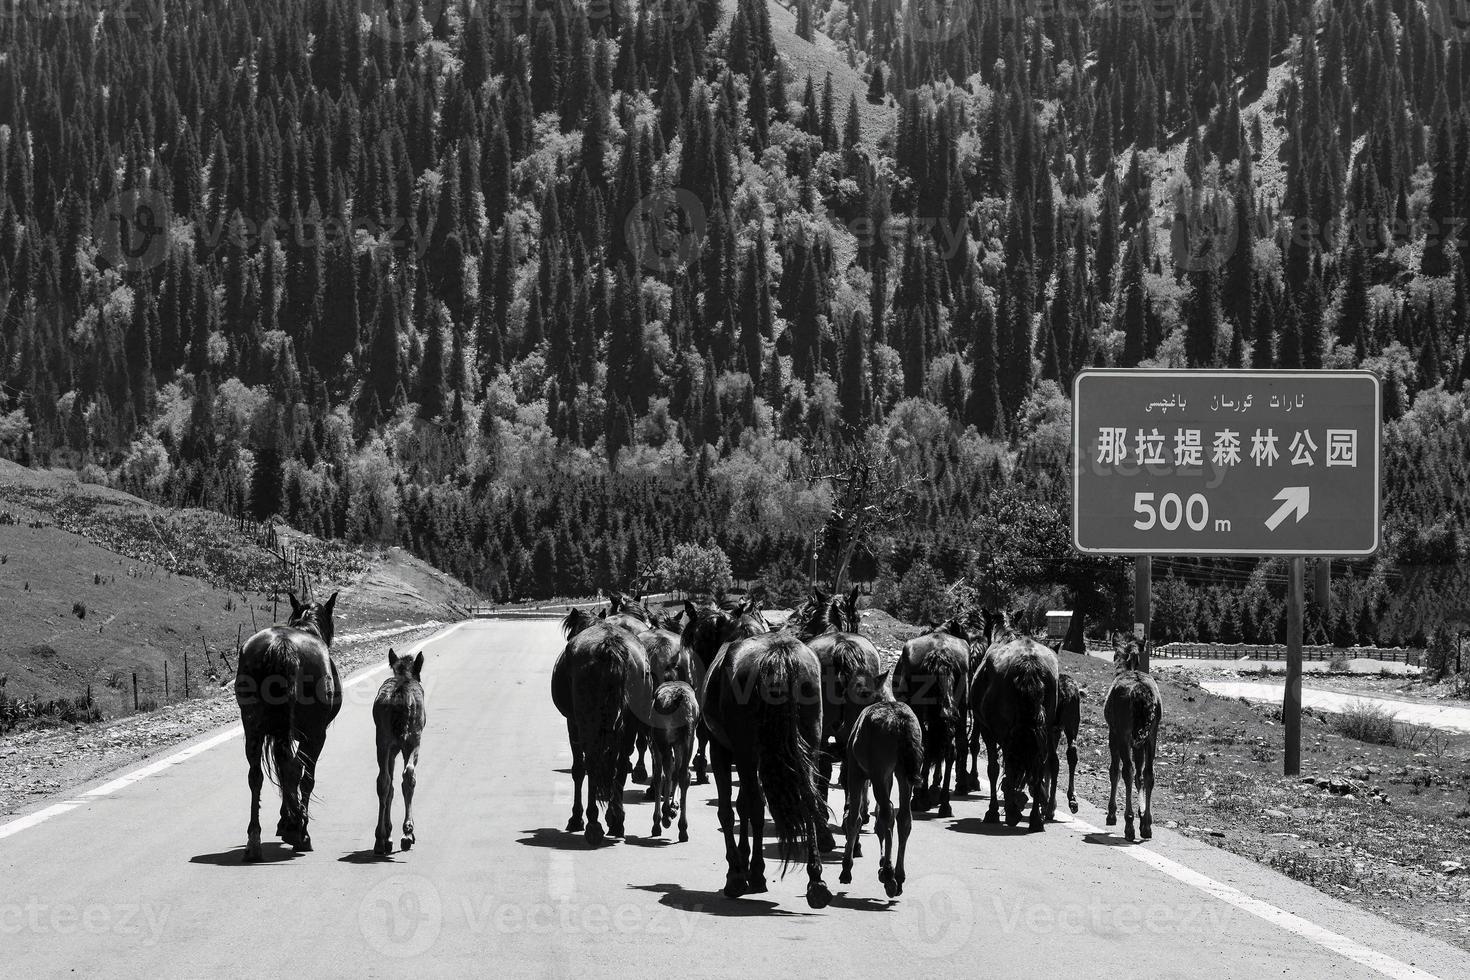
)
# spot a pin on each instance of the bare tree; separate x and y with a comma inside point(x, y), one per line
point(869, 493)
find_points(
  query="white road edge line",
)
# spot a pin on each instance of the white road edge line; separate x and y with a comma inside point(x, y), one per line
point(30, 820)
point(1292, 923)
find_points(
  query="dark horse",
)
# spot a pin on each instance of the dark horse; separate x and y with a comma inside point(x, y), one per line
point(763, 706)
point(851, 678)
point(932, 676)
point(602, 686)
point(1015, 696)
point(288, 691)
point(399, 716)
point(630, 612)
point(1133, 712)
point(708, 627)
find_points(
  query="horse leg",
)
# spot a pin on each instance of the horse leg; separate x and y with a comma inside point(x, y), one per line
point(701, 766)
point(755, 813)
point(640, 771)
point(309, 751)
point(383, 836)
point(992, 769)
point(1128, 776)
point(961, 775)
point(1146, 783)
point(905, 822)
point(254, 743)
point(656, 784)
point(734, 868)
point(974, 757)
point(825, 840)
point(288, 771)
point(883, 797)
point(681, 772)
point(1053, 764)
point(945, 810)
point(856, 788)
point(1112, 817)
point(579, 771)
point(818, 896)
point(410, 780)
point(614, 806)
point(1036, 784)
point(1071, 774)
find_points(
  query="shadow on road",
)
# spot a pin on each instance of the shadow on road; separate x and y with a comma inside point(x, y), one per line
point(713, 903)
point(273, 852)
point(366, 857)
point(1105, 839)
point(977, 825)
point(843, 901)
point(561, 840)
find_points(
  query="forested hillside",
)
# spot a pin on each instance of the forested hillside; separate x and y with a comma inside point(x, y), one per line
point(540, 290)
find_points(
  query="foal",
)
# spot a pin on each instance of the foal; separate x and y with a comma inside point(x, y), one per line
point(399, 715)
point(1133, 712)
point(675, 718)
point(886, 745)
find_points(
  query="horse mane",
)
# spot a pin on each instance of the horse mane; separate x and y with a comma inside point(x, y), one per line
point(575, 621)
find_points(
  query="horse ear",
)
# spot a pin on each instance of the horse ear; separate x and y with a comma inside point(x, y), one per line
point(329, 604)
point(392, 658)
point(295, 603)
point(602, 614)
point(418, 666)
point(690, 610)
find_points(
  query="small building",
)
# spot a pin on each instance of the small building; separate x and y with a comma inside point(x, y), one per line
point(1058, 621)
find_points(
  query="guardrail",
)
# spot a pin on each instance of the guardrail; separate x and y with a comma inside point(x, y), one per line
point(660, 600)
point(1270, 651)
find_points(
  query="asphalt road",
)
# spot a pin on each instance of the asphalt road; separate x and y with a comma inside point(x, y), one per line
point(143, 877)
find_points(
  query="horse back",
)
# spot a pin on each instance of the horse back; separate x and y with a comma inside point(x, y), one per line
point(732, 687)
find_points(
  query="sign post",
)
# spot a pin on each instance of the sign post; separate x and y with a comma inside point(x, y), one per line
point(1229, 463)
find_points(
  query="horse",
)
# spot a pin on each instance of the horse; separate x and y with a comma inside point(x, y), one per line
point(708, 627)
point(762, 705)
point(667, 661)
point(602, 685)
point(1133, 711)
point(1068, 721)
point(1015, 693)
point(399, 717)
point(932, 676)
point(675, 718)
point(886, 745)
point(851, 669)
point(289, 692)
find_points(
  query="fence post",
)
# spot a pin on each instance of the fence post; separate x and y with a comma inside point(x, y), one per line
point(135, 690)
point(165, 681)
point(186, 673)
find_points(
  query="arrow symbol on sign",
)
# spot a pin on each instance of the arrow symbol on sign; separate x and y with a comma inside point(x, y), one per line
point(1297, 499)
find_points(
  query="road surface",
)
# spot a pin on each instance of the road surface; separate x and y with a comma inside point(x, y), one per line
point(140, 875)
point(1448, 717)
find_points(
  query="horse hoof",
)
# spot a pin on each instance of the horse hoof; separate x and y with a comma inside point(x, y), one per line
point(846, 877)
point(640, 773)
point(1072, 805)
point(1128, 832)
point(945, 810)
point(1146, 830)
point(303, 844)
point(406, 844)
point(252, 856)
point(683, 837)
point(892, 888)
point(991, 816)
point(1037, 823)
point(755, 885)
point(650, 793)
point(857, 849)
point(885, 875)
point(1111, 820)
point(594, 833)
point(826, 842)
point(574, 825)
point(657, 831)
point(818, 896)
point(734, 885)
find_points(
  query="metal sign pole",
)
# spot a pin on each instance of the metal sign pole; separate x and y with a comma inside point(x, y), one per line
point(1291, 703)
point(1143, 568)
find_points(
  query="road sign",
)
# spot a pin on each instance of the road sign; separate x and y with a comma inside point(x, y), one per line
point(1226, 462)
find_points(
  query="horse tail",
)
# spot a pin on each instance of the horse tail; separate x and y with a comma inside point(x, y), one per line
point(1143, 706)
point(909, 736)
point(1031, 691)
point(600, 693)
point(786, 762)
point(942, 708)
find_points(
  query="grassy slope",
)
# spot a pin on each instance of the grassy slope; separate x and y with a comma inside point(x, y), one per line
point(119, 556)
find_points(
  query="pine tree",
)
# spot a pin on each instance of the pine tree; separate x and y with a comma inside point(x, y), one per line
point(983, 408)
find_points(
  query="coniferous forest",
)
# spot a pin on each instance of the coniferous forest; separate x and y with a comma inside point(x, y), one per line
point(540, 290)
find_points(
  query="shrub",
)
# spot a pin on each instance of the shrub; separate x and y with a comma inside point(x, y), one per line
point(1338, 663)
point(1367, 723)
point(79, 610)
point(919, 597)
point(694, 568)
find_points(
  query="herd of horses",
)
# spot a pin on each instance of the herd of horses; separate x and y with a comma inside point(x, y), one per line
point(718, 689)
